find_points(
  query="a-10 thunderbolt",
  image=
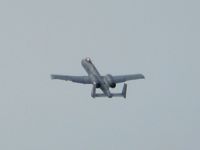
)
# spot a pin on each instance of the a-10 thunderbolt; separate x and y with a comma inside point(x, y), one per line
point(99, 81)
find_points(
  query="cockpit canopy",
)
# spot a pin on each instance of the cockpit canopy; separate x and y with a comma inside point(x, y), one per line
point(88, 59)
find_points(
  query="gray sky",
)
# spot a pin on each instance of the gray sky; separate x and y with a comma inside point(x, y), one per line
point(157, 38)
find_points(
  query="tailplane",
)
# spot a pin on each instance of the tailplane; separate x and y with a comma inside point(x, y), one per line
point(123, 94)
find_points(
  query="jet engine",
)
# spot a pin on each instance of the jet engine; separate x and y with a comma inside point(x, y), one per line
point(109, 79)
point(98, 85)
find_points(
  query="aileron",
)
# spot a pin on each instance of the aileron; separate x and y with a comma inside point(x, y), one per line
point(124, 78)
point(77, 79)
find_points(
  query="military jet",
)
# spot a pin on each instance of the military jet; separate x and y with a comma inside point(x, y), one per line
point(99, 81)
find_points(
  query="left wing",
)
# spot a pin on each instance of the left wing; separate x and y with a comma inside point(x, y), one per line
point(77, 79)
point(124, 78)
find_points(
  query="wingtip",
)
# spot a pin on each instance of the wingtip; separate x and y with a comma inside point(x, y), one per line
point(141, 76)
point(52, 76)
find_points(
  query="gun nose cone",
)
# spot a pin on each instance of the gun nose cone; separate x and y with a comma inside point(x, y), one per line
point(88, 59)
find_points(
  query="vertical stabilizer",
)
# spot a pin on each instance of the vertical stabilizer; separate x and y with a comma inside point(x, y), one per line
point(124, 90)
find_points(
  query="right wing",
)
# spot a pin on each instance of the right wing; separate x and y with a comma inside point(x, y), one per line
point(77, 79)
point(124, 78)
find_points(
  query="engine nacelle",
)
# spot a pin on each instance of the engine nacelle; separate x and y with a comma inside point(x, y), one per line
point(109, 79)
point(98, 85)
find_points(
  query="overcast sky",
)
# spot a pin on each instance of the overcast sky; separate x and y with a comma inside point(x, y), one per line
point(157, 38)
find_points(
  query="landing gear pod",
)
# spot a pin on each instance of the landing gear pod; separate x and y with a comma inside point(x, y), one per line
point(93, 94)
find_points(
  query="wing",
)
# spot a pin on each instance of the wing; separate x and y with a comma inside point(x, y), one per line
point(124, 78)
point(77, 79)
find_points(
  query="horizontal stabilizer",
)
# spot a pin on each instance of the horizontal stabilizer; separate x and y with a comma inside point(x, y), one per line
point(123, 94)
point(100, 95)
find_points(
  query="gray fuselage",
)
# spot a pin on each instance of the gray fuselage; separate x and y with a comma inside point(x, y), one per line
point(95, 76)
